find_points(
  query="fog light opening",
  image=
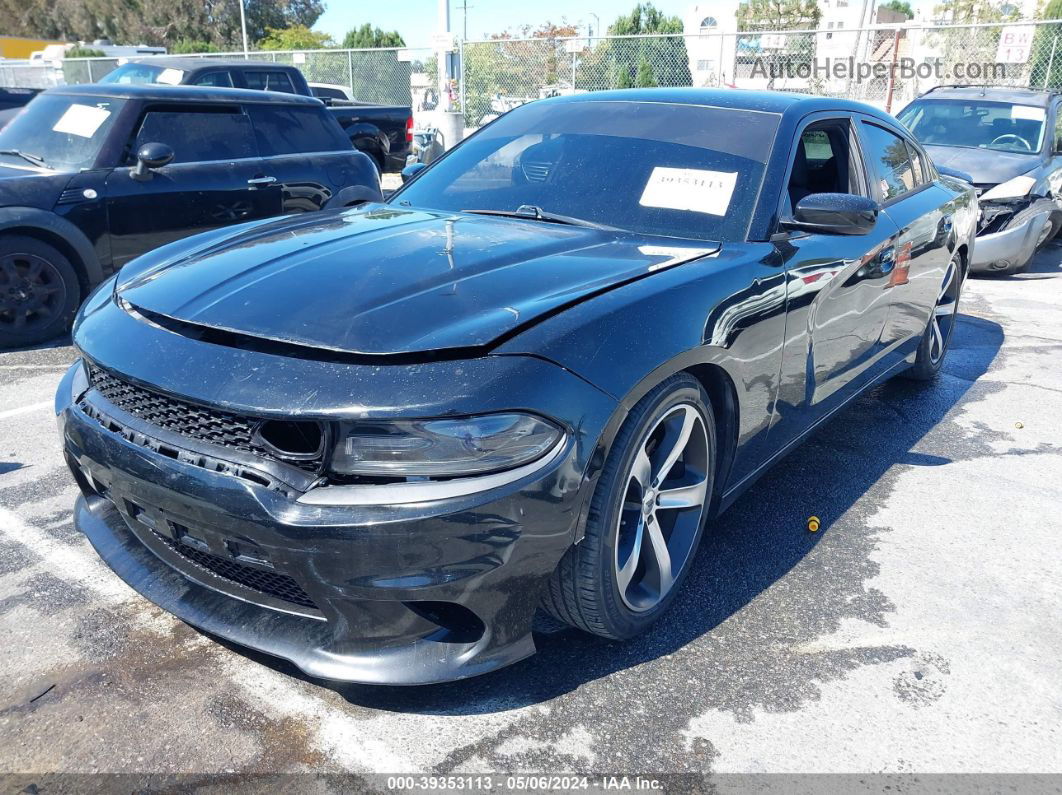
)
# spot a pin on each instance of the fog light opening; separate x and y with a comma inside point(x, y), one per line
point(457, 624)
point(292, 439)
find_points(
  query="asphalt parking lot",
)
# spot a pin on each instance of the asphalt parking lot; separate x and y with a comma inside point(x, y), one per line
point(917, 631)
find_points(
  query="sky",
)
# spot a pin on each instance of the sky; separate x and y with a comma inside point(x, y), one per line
point(416, 20)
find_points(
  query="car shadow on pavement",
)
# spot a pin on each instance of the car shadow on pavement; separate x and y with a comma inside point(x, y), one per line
point(757, 559)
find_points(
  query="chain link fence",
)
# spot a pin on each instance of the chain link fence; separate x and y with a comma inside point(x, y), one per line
point(381, 76)
point(884, 65)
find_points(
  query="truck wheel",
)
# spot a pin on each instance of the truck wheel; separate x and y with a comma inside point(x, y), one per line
point(39, 291)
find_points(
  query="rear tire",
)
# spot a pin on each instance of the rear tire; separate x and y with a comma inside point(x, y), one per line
point(941, 326)
point(646, 516)
point(39, 291)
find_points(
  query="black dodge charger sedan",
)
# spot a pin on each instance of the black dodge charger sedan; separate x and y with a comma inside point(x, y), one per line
point(375, 441)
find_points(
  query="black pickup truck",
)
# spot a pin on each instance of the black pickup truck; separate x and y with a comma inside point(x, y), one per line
point(384, 132)
point(92, 176)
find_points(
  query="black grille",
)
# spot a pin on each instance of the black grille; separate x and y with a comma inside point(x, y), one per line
point(211, 425)
point(279, 586)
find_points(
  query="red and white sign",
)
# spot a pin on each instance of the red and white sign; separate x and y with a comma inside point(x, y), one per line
point(1015, 43)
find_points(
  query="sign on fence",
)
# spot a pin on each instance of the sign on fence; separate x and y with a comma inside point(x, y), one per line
point(1015, 43)
point(443, 42)
point(772, 41)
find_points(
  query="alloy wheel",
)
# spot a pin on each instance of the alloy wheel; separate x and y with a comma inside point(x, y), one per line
point(32, 292)
point(942, 323)
point(663, 505)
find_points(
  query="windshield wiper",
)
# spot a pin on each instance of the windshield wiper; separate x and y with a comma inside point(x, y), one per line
point(532, 212)
point(36, 160)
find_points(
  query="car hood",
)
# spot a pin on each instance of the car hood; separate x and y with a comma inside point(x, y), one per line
point(30, 187)
point(384, 280)
point(986, 166)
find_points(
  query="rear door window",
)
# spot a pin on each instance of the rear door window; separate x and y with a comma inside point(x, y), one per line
point(197, 135)
point(268, 80)
point(283, 131)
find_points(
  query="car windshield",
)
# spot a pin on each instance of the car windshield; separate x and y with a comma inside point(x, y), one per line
point(142, 73)
point(648, 167)
point(977, 124)
point(59, 132)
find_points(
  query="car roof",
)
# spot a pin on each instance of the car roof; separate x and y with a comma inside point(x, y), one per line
point(155, 91)
point(192, 64)
point(781, 102)
point(1015, 96)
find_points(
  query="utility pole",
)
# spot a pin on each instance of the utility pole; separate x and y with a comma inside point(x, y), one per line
point(243, 27)
point(597, 24)
point(464, 18)
point(443, 55)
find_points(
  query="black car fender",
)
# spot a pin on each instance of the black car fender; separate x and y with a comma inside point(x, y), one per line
point(57, 231)
point(702, 317)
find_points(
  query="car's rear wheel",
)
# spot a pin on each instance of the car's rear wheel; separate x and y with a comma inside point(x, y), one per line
point(645, 518)
point(39, 291)
point(941, 325)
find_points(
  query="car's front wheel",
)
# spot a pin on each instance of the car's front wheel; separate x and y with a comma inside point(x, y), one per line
point(645, 517)
point(941, 327)
point(39, 291)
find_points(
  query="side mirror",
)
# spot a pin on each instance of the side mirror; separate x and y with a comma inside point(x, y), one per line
point(149, 156)
point(835, 214)
point(410, 171)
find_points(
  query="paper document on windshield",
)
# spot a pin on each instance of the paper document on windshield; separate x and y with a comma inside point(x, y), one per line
point(691, 189)
point(81, 120)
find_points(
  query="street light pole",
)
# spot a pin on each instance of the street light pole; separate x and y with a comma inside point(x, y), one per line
point(443, 55)
point(243, 27)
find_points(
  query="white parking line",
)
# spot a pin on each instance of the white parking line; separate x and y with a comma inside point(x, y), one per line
point(26, 409)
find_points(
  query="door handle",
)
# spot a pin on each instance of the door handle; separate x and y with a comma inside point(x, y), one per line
point(261, 181)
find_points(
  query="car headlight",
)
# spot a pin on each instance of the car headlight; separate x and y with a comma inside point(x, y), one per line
point(1011, 189)
point(443, 447)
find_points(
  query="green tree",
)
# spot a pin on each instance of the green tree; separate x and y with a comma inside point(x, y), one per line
point(155, 22)
point(900, 7)
point(961, 12)
point(666, 57)
point(367, 37)
point(644, 76)
point(84, 52)
point(621, 78)
point(297, 37)
point(186, 46)
point(1046, 61)
point(774, 15)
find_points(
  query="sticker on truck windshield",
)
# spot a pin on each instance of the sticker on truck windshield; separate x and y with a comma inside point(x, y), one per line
point(81, 120)
point(690, 189)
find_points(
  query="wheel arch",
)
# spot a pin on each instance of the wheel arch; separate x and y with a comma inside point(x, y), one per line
point(49, 228)
point(711, 372)
point(723, 395)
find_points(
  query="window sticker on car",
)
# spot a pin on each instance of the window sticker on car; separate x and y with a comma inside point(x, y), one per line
point(82, 120)
point(690, 189)
point(1027, 112)
point(170, 77)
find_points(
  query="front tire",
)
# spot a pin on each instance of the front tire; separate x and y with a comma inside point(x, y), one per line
point(646, 516)
point(941, 326)
point(39, 291)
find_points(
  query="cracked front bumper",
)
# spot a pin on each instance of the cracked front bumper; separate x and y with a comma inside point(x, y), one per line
point(413, 593)
point(1010, 247)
